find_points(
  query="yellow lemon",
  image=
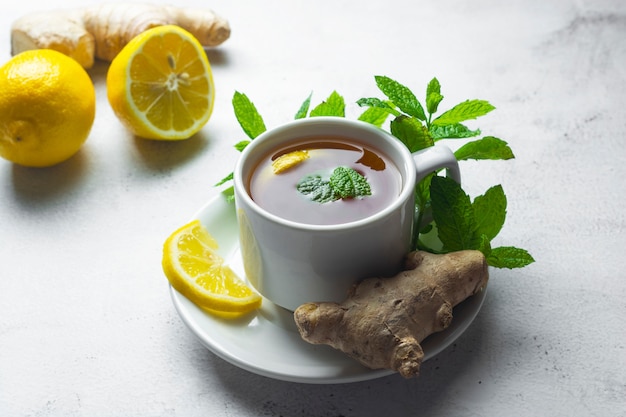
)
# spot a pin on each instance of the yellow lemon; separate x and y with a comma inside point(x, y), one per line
point(47, 108)
point(194, 268)
point(288, 160)
point(160, 85)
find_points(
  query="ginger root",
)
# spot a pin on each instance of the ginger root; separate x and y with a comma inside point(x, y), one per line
point(383, 321)
point(102, 31)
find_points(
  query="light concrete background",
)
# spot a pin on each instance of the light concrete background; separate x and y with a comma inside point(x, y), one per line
point(87, 327)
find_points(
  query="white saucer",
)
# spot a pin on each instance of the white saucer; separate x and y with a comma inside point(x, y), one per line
point(267, 342)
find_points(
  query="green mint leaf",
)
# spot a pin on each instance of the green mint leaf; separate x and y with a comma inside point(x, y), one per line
point(304, 108)
point(374, 115)
point(378, 103)
point(422, 206)
point(229, 193)
point(485, 246)
point(427, 229)
point(348, 183)
point(240, 146)
point(373, 102)
point(224, 180)
point(247, 115)
point(433, 96)
point(454, 215)
point(377, 112)
point(316, 188)
point(490, 212)
point(401, 96)
point(509, 257)
point(333, 106)
point(453, 131)
point(422, 193)
point(488, 147)
point(411, 132)
point(469, 109)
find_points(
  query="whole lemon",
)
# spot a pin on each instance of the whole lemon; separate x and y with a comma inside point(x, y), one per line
point(47, 108)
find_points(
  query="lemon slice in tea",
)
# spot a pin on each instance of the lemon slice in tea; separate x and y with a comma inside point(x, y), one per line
point(289, 160)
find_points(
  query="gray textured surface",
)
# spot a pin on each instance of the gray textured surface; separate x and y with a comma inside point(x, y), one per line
point(87, 326)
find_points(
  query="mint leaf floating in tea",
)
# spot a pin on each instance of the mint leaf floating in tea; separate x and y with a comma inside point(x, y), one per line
point(317, 189)
point(348, 183)
point(344, 183)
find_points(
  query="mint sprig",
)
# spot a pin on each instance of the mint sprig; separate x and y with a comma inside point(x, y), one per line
point(463, 224)
point(401, 96)
point(454, 215)
point(460, 222)
point(252, 124)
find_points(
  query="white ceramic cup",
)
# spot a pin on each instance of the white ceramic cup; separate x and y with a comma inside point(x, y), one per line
point(292, 263)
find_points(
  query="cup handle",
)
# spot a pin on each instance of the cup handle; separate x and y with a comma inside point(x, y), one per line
point(430, 160)
point(436, 157)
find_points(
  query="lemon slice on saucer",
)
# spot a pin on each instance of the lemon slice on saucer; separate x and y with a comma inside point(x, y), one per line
point(194, 269)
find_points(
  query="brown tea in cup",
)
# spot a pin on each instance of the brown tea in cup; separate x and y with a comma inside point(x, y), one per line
point(298, 190)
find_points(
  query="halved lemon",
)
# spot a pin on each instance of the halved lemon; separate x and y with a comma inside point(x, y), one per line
point(194, 269)
point(161, 85)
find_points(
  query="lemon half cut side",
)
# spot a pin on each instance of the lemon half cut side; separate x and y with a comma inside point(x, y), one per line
point(160, 85)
